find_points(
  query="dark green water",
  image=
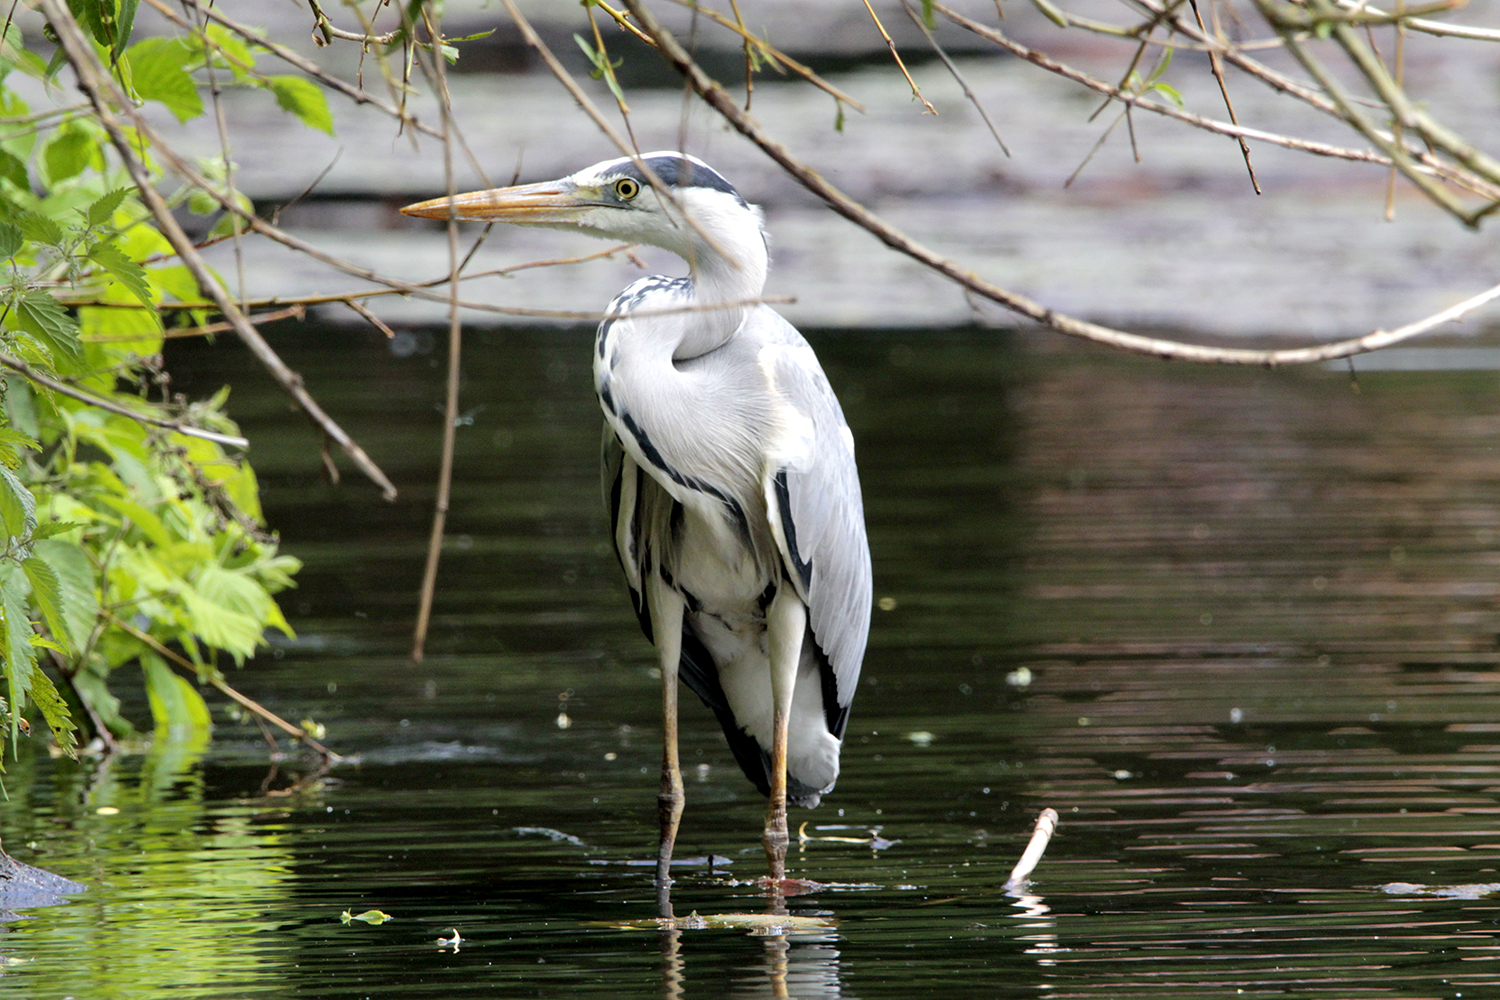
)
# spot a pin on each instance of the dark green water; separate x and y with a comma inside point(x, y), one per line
point(1257, 611)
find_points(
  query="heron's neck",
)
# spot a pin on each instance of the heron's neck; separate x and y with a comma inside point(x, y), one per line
point(728, 273)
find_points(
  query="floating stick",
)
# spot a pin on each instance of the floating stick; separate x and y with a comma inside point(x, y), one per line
point(1046, 825)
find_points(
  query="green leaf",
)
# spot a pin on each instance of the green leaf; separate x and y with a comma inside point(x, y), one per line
point(102, 210)
point(11, 240)
point(15, 643)
point(158, 71)
point(98, 16)
point(239, 56)
point(55, 710)
point(928, 17)
point(39, 229)
point(47, 592)
point(1170, 92)
point(75, 578)
point(13, 169)
point(124, 270)
point(68, 154)
point(603, 68)
point(144, 518)
point(17, 506)
point(124, 23)
point(304, 99)
point(41, 315)
point(375, 917)
point(48, 529)
point(13, 443)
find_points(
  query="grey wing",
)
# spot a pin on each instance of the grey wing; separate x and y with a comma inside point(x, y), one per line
point(822, 518)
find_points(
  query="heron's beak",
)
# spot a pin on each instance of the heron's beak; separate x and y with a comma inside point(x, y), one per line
point(529, 204)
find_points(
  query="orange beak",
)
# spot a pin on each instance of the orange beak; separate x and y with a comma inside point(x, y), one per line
point(533, 204)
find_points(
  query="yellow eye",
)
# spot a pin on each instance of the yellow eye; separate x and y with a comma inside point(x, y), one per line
point(626, 188)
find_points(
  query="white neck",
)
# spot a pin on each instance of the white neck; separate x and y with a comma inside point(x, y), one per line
point(727, 261)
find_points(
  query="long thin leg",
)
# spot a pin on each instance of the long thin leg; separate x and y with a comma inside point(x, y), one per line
point(786, 622)
point(666, 627)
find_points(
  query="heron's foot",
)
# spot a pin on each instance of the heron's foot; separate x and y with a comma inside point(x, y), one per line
point(775, 842)
point(786, 887)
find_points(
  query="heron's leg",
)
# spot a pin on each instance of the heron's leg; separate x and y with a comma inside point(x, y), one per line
point(666, 627)
point(786, 621)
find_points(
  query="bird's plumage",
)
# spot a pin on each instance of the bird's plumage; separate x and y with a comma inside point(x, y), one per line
point(728, 471)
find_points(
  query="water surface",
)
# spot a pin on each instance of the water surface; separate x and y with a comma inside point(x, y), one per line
point(1238, 627)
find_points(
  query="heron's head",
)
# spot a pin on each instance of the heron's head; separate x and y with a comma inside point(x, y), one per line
point(703, 219)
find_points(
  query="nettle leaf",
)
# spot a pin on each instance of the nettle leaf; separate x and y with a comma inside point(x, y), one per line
point(15, 643)
point(49, 529)
point(47, 592)
point(304, 99)
point(13, 443)
point(38, 228)
point(41, 315)
point(54, 709)
point(124, 270)
point(75, 579)
point(17, 506)
point(158, 71)
point(11, 240)
point(13, 169)
point(69, 154)
point(102, 210)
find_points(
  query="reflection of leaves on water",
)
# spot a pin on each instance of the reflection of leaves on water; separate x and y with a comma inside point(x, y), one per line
point(556, 836)
point(1477, 890)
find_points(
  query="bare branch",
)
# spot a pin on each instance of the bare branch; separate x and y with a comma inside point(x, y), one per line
point(99, 87)
point(22, 368)
point(719, 99)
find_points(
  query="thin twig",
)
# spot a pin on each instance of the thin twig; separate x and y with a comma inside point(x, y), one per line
point(915, 90)
point(953, 70)
point(1283, 84)
point(312, 69)
point(222, 686)
point(775, 56)
point(96, 84)
point(22, 368)
point(455, 346)
point(206, 330)
point(1216, 63)
point(369, 317)
point(719, 99)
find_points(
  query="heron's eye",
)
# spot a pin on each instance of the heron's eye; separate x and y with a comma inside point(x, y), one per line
point(626, 188)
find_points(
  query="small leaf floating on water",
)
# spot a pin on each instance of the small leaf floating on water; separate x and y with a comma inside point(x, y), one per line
point(453, 942)
point(873, 840)
point(374, 917)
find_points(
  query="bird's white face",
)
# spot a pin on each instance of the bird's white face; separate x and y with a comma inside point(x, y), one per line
point(611, 200)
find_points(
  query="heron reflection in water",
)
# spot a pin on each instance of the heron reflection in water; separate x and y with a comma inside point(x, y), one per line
point(728, 473)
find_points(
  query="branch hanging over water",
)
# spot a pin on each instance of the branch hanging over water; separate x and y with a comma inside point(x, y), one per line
point(715, 95)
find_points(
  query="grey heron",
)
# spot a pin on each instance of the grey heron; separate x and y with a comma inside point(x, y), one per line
point(729, 477)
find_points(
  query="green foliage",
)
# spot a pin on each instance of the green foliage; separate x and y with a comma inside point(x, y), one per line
point(127, 549)
point(303, 99)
